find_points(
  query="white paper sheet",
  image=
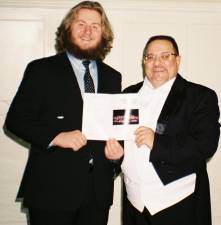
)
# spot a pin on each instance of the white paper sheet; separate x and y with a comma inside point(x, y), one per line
point(110, 116)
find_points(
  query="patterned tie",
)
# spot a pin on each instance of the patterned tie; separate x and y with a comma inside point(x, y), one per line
point(88, 81)
point(89, 87)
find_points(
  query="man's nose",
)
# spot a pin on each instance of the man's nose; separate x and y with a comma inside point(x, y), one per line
point(157, 60)
point(87, 29)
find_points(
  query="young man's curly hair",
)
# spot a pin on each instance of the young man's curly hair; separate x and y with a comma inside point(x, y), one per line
point(63, 31)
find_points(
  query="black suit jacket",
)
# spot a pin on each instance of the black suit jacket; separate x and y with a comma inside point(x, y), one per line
point(187, 135)
point(48, 102)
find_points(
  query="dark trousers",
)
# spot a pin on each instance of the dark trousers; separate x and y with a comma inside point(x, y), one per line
point(182, 213)
point(88, 213)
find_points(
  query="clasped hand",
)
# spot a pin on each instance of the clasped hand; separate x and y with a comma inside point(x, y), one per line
point(113, 150)
point(71, 139)
point(143, 136)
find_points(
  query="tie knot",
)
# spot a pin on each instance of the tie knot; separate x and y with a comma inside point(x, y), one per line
point(86, 63)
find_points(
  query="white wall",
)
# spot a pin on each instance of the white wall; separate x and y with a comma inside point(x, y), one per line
point(27, 31)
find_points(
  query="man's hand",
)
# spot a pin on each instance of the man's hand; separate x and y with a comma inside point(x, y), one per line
point(71, 139)
point(113, 150)
point(144, 136)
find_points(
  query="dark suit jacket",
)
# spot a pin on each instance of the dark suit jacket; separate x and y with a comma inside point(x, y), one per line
point(187, 135)
point(55, 178)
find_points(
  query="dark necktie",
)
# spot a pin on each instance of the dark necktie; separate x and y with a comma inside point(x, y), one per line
point(88, 81)
point(88, 87)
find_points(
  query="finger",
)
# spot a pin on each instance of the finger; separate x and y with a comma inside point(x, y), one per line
point(112, 149)
point(80, 139)
point(84, 139)
point(111, 144)
point(109, 150)
point(116, 148)
point(108, 145)
point(140, 130)
point(75, 145)
point(108, 154)
point(140, 140)
point(78, 143)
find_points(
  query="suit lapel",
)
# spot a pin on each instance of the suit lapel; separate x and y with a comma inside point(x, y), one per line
point(101, 78)
point(67, 71)
point(104, 78)
point(173, 101)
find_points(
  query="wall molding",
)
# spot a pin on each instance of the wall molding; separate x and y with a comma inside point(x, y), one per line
point(187, 5)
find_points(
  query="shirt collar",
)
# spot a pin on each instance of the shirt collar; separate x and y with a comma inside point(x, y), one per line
point(78, 62)
point(163, 88)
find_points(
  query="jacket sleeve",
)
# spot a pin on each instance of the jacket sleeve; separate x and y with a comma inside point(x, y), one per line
point(24, 115)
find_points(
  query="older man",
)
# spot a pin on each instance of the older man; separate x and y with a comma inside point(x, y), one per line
point(165, 177)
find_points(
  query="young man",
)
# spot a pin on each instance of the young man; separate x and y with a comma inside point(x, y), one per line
point(67, 180)
point(165, 177)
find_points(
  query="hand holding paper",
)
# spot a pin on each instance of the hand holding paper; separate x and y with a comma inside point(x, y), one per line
point(113, 150)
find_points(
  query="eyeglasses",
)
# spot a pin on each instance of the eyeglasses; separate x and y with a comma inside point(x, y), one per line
point(163, 57)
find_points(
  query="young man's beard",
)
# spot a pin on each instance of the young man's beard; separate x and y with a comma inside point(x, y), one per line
point(92, 53)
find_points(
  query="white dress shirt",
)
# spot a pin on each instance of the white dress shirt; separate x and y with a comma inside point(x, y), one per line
point(79, 70)
point(144, 187)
